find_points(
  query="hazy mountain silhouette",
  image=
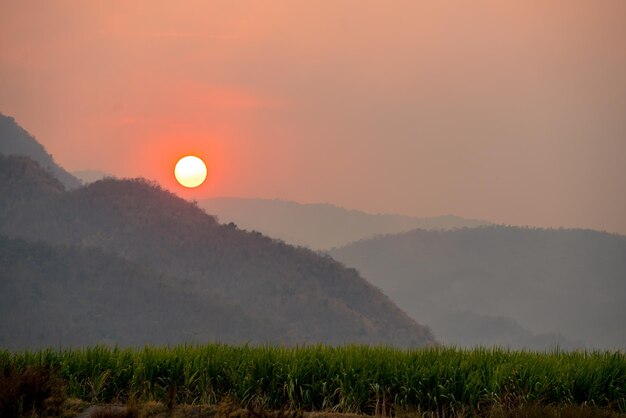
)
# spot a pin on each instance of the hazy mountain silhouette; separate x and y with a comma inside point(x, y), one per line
point(556, 285)
point(319, 226)
point(469, 329)
point(307, 297)
point(89, 176)
point(69, 296)
point(14, 140)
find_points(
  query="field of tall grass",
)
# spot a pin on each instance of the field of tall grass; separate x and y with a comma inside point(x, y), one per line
point(362, 379)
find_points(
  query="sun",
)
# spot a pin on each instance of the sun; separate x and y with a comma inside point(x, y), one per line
point(190, 171)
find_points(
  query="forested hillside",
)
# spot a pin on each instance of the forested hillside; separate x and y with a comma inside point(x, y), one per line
point(71, 296)
point(504, 285)
point(303, 296)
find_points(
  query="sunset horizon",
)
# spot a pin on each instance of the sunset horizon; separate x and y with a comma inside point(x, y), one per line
point(509, 113)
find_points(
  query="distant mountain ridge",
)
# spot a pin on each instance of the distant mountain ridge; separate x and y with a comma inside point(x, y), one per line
point(513, 286)
point(300, 296)
point(319, 226)
point(15, 140)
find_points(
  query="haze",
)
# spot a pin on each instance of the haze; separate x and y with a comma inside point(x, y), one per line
point(506, 111)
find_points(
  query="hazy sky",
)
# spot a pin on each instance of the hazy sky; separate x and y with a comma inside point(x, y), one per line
point(511, 111)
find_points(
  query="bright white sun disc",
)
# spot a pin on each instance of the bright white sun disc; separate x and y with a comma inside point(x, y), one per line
point(190, 171)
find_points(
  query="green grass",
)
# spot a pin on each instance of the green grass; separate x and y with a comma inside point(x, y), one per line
point(343, 379)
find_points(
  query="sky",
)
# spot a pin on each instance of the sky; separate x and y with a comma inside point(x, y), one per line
point(513, 112)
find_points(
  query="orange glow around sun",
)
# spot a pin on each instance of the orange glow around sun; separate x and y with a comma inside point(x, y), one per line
point(158, 162)
point(190, 171)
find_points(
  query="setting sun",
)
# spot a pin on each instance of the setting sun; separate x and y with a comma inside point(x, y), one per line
point(190, 171)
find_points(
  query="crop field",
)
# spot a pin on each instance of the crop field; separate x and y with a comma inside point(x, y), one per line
point(359, 379)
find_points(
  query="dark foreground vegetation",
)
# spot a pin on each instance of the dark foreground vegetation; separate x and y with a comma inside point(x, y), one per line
point(351, 379)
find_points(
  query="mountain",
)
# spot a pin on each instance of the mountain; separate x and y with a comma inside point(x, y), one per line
point(319, 226)
point(562, 286)
point(14, 140)
point(468, 329)
point(71, 296)
point(305, 297)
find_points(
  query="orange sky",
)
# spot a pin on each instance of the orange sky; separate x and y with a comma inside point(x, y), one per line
point(513, 112)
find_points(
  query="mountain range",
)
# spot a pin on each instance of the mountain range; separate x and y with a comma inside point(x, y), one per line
point(520, 287)
point(122, 261)
point(225, 282)
point(320, 226)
